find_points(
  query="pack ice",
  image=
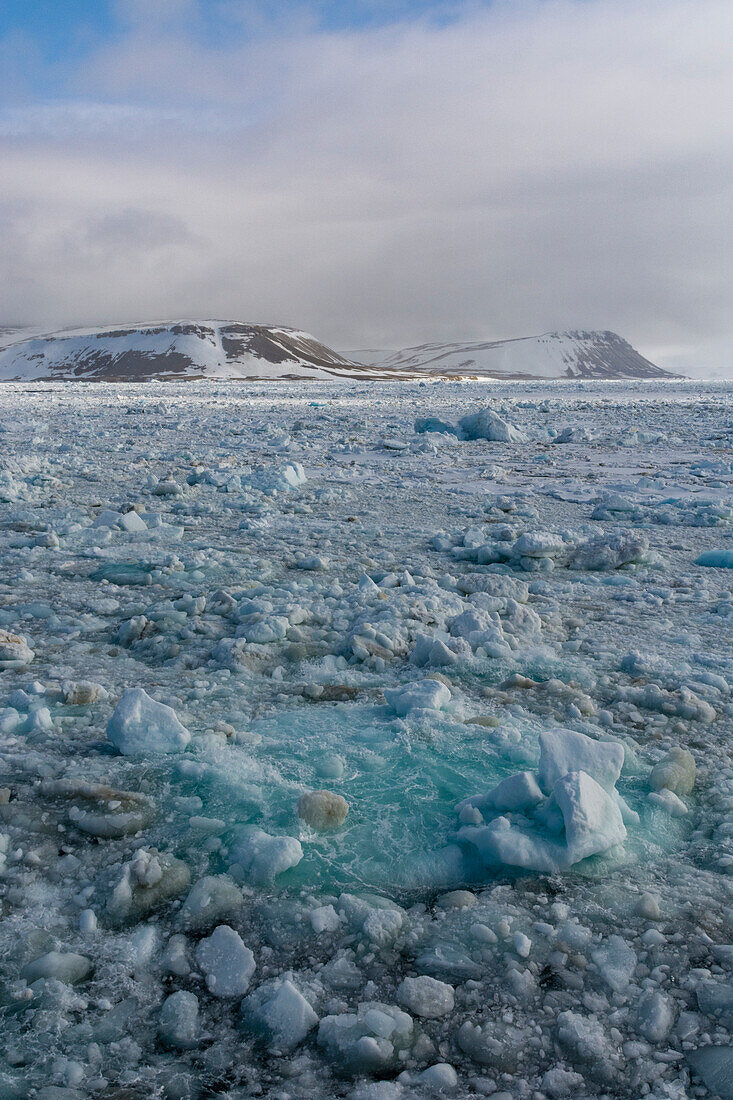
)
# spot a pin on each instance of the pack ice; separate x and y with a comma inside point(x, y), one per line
point(366, 740)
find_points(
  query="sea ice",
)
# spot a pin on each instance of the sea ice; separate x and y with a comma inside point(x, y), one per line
point(486, 424)
point(141, 725)
point(580, 816)
point(226, 963)
point(537, 620)
point(426, 695)
point(14, 651)
point(179, 1020)
point(262, 857)
point(280, 1013)
point(367, 1041)
point(425, 996)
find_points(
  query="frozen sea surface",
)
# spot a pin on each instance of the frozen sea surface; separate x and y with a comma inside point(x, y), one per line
point(492, 623)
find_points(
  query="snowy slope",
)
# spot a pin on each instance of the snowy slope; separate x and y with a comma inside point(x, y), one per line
point(172, 350)
point(552, 355)
point(182, 350)
point(11, 334)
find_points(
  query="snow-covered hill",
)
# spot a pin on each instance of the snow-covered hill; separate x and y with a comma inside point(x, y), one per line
point(170, 351)
point(552, 355)
point(180, 350)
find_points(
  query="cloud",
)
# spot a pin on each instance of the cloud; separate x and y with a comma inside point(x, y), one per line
point(533, 165)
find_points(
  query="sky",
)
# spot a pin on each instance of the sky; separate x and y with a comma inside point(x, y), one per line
point(379, 173)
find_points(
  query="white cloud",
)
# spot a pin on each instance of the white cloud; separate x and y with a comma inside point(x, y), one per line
point(530, 166)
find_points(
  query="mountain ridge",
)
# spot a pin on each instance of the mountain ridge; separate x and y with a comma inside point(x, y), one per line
point(569, 354)
point(179, 350)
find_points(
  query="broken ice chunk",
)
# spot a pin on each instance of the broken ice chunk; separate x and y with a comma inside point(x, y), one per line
point(179, 1020)
point(14, 650)
point(516, 792)
point(210, 898)
point(616, 962)
point(654, 1015)
point(280, 1013)
point(593, 822)
point(563, 751)
point(367, 1041)
point(227, 963)
point(133, 523)
point(141, 725)
point(63, 966)
point(589, 816)
point(716, 559)
point(261, 857)
point(426, 996)
point(676, 772)
point(423, 695)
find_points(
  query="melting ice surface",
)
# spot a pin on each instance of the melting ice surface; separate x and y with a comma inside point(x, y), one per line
point(402, 780)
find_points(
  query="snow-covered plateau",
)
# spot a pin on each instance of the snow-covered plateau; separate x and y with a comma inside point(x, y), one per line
point(366, 740)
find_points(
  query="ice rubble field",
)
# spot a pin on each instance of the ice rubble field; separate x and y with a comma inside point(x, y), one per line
point(370, 741)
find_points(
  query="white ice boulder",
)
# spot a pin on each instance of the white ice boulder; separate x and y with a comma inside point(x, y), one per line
point(488, 425)
point(294, 475)
point(516, 792)
point(209, 899)
point(590, 823)
point(471, 620)
point(430, 695)
point(179, 1021)
point(582, 1038)
point(280, 1013)
point(593, 821)
point(676, 772)
point(368, 1040)
point(107, 518)
point(133, 523)
point(654, 1015)
point(175, 957)
point(425, 996)
point(563, 751)
point(140, 725)
point(558, 1081)
point(616, 962)
point(382, 926)
point(322, 810)
point(324, 918)
point(504, 841)
point(62, 966)
point(262, 857)
point(14, 651)
point(538, 544)
point(439, 1078)
point(226, 961)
